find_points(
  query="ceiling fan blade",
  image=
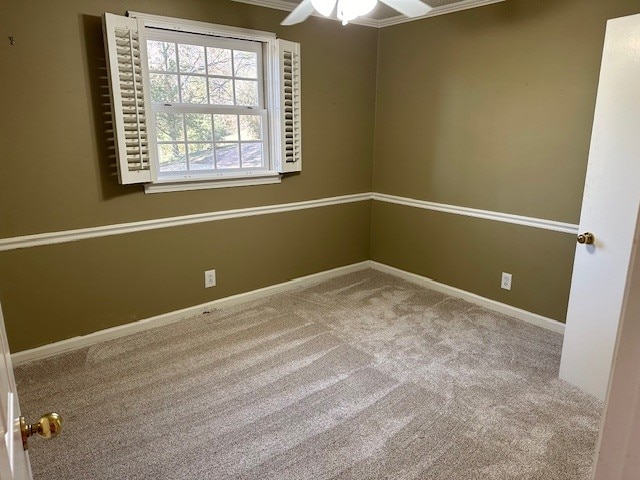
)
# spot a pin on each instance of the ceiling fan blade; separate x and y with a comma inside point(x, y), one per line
point(409, 8)
point(299, 14)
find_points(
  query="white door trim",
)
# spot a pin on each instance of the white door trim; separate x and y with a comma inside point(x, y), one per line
point(617, 453)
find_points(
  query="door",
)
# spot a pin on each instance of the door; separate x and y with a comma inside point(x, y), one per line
point(14, 460)
point(609, 212)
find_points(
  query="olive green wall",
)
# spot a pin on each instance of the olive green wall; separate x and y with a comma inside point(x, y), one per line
point(464, 252)
point(60, 291)
point(490, 108)
point(54, 172)
point(54, 176)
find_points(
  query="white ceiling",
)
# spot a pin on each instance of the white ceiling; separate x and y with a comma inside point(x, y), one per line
point(383, 16)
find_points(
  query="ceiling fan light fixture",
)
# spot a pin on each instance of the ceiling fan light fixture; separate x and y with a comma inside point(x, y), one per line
point(351, 9)
point(324, 7)
point(348, 10)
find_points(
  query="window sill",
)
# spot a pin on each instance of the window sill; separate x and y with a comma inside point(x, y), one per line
point(183, 185)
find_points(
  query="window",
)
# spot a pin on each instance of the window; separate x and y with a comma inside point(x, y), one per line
point(196, 105)
point(207, 98)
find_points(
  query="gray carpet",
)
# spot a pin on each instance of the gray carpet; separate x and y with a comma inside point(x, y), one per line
point(360, 377)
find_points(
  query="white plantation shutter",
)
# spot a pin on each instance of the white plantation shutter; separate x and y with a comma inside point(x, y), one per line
point(123, 43)
point(290, 113)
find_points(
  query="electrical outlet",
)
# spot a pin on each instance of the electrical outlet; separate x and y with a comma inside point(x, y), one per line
point(209, 278)
point(506, 281)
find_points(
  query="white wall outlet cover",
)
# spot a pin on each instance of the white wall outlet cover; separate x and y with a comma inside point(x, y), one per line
point(209, 278)
point(505, 282)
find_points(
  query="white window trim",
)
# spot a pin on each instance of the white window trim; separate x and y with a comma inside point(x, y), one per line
point(254, 179)
point(194, 26)
point(262, 110)
point(165, 183)
point(271, 67)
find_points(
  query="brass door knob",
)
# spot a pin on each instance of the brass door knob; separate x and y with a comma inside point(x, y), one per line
point(49, 426)
point(586, 238)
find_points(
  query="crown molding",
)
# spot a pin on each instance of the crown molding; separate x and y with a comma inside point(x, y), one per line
point(370, 22)
point(443, 10)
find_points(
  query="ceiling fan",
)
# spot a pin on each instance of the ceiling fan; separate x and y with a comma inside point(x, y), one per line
point(349, 9)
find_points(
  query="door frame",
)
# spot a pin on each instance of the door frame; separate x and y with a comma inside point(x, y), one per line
point(617, 456)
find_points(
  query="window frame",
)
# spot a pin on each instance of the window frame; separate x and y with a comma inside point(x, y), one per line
point(270, 89)
point(209, 109)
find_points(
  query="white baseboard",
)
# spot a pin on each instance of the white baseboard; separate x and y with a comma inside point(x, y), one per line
point(177, 315)
point(515, 312)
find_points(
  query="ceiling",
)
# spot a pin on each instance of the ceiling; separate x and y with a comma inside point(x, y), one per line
point(383, 16)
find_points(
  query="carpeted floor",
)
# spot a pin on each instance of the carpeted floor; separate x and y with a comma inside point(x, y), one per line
point(360, 377)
